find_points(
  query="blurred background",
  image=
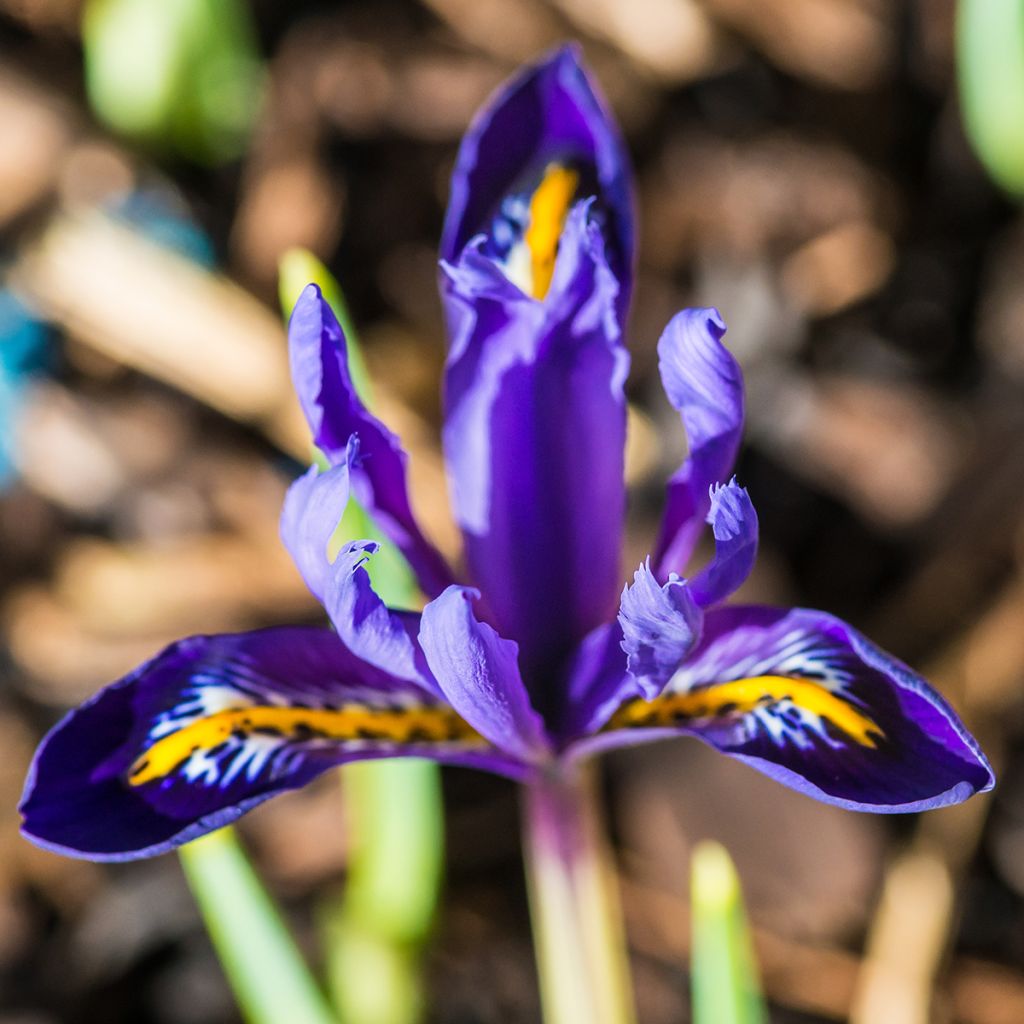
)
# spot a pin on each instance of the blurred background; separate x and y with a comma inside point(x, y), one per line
point(801, 164)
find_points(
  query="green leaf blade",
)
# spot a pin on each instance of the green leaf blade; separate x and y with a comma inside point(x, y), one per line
point(270, 980)
point(724, 981)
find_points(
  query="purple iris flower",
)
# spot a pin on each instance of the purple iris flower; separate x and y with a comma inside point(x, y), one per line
point(546, 658)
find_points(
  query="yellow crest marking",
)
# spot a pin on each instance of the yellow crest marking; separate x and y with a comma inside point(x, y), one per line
point(549, 206)
point(725, 700)
point(351, 722)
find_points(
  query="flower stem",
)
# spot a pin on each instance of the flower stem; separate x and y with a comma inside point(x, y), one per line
point(577, 920)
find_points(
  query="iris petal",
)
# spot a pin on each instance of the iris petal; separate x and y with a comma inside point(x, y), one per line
point(379, 635)
point(478, 673)
point(321, 376)
point(733, 524)
point(549, 113)
point(312, 509)
point(634, 656)
point(597, 681)
point(704, 382)
point(660, 626)
point(806, 699)
point(534, 438)
point(213, 726)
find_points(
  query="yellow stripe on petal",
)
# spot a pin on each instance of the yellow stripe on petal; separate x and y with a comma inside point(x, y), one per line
point(740, 697)
point(355, 722)
point(549, 207)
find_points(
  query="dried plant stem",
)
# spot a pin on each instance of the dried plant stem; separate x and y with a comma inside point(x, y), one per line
point(574, 903)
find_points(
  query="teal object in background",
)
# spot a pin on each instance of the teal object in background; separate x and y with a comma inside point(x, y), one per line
point(182, 76)
point(160, 215)
point(23, 336)
point(23, 344)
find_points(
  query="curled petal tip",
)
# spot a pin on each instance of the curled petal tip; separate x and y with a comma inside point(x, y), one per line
point(733, 522)
point(713, 319)
point(660, 625)
point(365, 547)
point(729, 504)
point(310, 294)
point(704, 383)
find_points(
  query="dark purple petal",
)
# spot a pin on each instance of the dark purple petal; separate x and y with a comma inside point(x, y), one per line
point(479, 675)
point(321, 376)
point(660, 626)
point(549, 112)
point(704, 382)
point(534, 436)
point(597, 682)
point(734, 526)
point(213, 726)
point(806, 699)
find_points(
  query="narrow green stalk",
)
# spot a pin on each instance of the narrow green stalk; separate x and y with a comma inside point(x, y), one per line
point(577, 921)
point(723, 973)
point(373, 933)
point(267, 973)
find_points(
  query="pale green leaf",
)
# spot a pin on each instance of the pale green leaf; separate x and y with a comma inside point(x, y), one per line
point(723, 974)
point(990, 67)
point(265, 969)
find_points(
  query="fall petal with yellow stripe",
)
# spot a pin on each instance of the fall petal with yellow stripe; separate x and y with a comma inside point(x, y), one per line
point(213, 726)
point(806, 699)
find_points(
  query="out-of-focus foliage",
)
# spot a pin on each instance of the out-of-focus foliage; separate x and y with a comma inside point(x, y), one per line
point(270, 980)
point(175, 74)
point(723, 975)
point(990, 59)
point(375, 931)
